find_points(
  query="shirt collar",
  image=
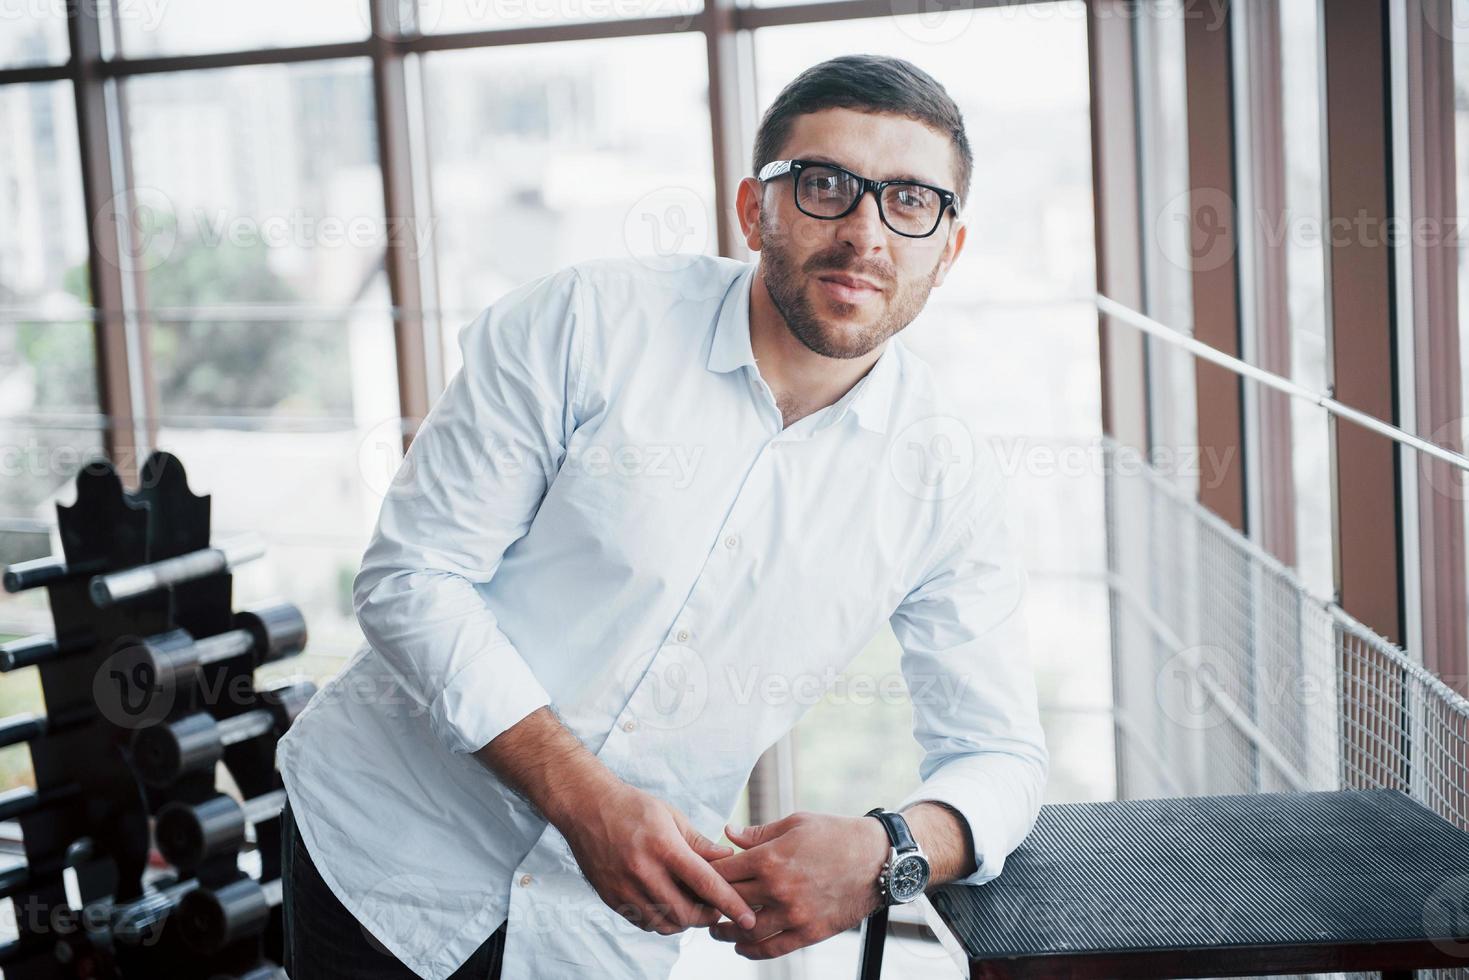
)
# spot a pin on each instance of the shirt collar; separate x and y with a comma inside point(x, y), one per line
point(870, 397)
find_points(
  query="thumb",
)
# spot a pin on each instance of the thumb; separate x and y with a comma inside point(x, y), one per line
point(748, 837)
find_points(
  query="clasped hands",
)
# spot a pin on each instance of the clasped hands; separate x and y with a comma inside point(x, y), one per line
point(797, 881)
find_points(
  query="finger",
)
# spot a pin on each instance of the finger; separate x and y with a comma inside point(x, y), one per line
point(674, 909)
point(705, 882)
point(760, 833)
point(768, 922)
point(706, 848)
point(777, 945)
point(743, 866)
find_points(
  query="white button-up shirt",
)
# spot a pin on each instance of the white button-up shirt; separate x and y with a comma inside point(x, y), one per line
point(604, 513)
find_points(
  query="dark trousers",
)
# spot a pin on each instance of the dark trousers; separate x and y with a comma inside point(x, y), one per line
point(325, 942)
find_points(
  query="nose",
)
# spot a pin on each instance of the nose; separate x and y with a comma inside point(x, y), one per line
point(862, 227)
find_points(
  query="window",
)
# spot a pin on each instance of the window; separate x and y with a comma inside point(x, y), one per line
point(266, 311)
point(482, 15)
point(1300, 64)
point(172, 27)
point(48, 390)
point(1012, 335)
point(548, 154)
point(33, 33)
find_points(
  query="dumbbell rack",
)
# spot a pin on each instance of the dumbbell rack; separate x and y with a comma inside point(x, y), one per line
point(87, 787)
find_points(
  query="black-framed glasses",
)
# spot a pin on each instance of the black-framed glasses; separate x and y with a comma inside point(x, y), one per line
point(824, 190)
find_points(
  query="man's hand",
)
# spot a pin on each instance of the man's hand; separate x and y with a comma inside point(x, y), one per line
point(650, 865)
point(812, 875)
point(639, 853)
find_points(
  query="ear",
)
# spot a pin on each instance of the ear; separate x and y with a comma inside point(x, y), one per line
point(748, 201)
point(952, 248)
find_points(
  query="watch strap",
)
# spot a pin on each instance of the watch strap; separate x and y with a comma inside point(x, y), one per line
point(896, 827)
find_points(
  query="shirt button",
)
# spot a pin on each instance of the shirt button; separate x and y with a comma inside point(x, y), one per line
point(731, 541)
point(683, 636)
point(525, 880)
point(629, 726)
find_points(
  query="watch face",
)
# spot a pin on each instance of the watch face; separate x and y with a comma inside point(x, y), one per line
point(910, 875)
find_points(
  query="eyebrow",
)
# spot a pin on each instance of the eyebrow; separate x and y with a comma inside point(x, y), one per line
point(821, 158)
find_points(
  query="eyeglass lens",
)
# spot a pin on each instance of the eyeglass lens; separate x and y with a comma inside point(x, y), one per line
point(910, 209)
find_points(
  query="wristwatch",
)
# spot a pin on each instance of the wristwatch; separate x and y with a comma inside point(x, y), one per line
point(905, 873)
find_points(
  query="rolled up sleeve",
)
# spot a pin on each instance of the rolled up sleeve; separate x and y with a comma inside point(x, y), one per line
point(967, 665)
point(467, 489)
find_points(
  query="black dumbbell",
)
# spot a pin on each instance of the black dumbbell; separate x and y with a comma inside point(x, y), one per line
point(34, 649)
point(37, 572)
point(209, 919)
point(14, 879)
point(23, 800)
point(190, 834)
point(163, 753)
point(134, 922)
point(27, 726)
point(265, 634)
point(141, 579)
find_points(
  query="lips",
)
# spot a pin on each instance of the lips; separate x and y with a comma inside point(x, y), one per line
point(846, 289)
point(851, 282)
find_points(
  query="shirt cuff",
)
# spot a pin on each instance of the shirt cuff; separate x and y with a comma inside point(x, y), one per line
point(972, 805)
point(489, 695)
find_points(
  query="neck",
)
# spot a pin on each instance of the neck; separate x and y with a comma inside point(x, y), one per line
point(802, 380)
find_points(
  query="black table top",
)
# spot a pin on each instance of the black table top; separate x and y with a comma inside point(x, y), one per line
point(1294, 869)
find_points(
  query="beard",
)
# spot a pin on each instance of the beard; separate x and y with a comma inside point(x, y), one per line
point(828, 334)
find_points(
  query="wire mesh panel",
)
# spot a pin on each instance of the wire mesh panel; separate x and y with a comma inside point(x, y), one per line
point(1231, 678)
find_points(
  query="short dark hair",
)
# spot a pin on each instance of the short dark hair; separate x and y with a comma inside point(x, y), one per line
point(866, 83)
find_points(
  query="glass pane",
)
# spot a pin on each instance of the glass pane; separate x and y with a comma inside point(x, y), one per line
point(260, 244)
point(1300, 65)
point(1168, 240)
point(33, 32)
point(548, 154)
point(482, 15)
point(47, 362)
point(43, 226)
point(260, 207)
point(1012, 336)
point(166, 27)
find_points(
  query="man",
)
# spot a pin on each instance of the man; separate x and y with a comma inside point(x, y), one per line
point(656, 495)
